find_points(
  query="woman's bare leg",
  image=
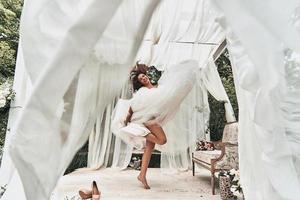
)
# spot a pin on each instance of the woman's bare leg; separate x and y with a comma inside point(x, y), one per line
point(145, 162)
point(157, 134)
point(152, 138)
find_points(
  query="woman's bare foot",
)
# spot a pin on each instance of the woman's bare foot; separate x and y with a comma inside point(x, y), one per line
point(143, 181)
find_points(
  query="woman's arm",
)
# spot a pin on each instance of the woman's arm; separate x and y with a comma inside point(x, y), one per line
point(128, 118)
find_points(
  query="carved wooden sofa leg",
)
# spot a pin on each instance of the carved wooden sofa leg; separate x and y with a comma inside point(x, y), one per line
point(213, 182)
point(193, 168)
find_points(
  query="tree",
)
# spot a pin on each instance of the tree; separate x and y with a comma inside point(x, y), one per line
point(10, 12)
point(217, 111)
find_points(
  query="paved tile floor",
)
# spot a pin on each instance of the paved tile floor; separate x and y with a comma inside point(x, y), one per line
point(123, 185)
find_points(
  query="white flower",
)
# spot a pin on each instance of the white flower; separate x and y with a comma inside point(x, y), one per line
point(134, 158)
point(239, 195)
point(6, 91)
point(233, 188)
point(236, 193)
point(232, 172)
point(236, 177)
point(2, 102)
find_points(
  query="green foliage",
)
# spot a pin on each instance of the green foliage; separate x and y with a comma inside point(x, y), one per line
point(3, 125)
point(79, 160)
point(153, 74)
point(10, 12)
point(217, 116)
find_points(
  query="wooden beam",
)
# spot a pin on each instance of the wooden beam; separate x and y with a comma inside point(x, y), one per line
point(220, 50)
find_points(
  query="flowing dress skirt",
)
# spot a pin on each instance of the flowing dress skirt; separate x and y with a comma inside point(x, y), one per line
point(159, 104)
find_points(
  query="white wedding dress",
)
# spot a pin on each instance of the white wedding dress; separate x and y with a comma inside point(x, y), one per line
point(159, 104)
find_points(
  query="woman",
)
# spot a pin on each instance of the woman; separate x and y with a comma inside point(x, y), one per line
point(151, 107)
point(139, 121)
point(154, 134)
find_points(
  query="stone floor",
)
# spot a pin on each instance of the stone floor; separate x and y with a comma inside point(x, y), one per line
point(123, 185)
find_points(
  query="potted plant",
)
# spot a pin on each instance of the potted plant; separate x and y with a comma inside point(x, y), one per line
point(230, 187)
point(236, 187)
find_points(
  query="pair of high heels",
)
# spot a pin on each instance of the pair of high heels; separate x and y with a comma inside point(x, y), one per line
point(93, 194)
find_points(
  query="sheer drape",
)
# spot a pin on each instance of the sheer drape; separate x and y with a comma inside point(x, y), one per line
point(182, 30)
point(104, 148)
point(8, 174)
point(20, 83)
point(125, 23)
point(193, 35)
point(69, 75)
point(211, 79)
point(267, 69)
point(101, 140)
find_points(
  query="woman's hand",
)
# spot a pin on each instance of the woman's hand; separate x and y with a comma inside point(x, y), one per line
point(152, 122)
point(128, 118)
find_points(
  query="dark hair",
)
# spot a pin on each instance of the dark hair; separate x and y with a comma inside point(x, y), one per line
point(134, 74)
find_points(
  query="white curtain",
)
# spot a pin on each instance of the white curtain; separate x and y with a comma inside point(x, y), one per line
point(264, 44)
point(178, 30)
point(211, 79)
point(104, 148)
point(73, 81)
point(181, 30)
point(101, 140)
point(8, 174)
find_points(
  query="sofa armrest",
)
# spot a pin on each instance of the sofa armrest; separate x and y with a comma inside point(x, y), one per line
point(222, 146)
point(217, 144)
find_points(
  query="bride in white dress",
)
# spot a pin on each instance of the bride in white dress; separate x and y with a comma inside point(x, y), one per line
point(139, 121)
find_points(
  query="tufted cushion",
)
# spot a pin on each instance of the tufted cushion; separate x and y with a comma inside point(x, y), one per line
point(206, 156)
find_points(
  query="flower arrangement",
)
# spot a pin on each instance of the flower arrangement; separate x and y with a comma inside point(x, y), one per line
point(7, 94)
point(135, 163)
point(202, 145)
point(235, 186)
point(153, 74)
